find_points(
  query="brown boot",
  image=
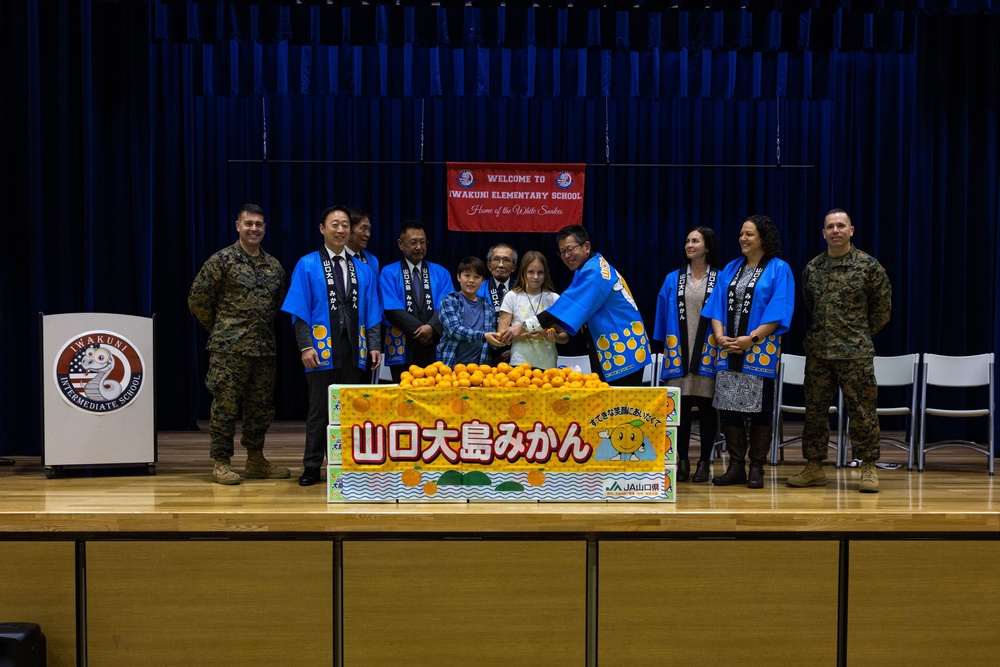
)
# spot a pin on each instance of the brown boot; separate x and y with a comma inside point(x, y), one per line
point(260, 468)
point(223, 474)
point(760, 445)
point(736, 446)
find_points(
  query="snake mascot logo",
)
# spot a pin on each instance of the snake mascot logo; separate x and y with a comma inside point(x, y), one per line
point(99, 371)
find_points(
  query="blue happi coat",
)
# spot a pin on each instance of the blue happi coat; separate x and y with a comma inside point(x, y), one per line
point(307, 300)
point(667, 327)
point(394, 298)
point(599, 298)
point(773, 301)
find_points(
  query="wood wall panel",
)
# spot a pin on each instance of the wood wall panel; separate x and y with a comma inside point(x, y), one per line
point(462, 603)
point(38, 585)
point(210, 603)
point(717, 603)
point(924, 602)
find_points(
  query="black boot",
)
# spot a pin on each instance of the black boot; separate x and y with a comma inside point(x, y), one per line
point(702, 473)
point(683, 470)
point(760, 446)
point(736, 446)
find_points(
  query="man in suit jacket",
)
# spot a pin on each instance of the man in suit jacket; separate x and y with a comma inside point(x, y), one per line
point(333, 301)
point(412, 290)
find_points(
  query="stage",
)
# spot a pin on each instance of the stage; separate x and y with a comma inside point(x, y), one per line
point(117, 565)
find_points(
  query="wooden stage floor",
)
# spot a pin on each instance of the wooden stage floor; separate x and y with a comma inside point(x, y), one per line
point(954, 495)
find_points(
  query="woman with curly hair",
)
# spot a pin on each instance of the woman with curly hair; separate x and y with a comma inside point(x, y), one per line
point(749, 311)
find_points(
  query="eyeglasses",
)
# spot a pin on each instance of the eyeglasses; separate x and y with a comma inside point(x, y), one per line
point(568, 250)
point(502, 260)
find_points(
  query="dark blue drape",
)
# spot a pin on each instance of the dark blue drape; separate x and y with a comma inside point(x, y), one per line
point(121, 124)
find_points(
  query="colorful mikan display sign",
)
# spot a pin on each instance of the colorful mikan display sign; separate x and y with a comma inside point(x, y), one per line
point(504, 444)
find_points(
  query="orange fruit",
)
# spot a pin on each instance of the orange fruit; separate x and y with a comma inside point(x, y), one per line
point(412, 477)
point(405, 408)
point(503, 367)
point(417, 371)
point(460, 367)
point(557, 381)
point(430, 488)
point(431, 371)
point(444, 370)
point(406, 375)
point(518, 410)
point(461, 405)
point(536, 477)
point(361, 403)
point(561, 406)
point(463, 382)
point(472, 367)
point(476, 380)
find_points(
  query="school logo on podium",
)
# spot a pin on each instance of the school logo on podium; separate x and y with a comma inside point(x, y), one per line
point(99, 371)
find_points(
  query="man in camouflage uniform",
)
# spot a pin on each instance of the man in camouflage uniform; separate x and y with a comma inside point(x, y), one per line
point(235, 297)
point(849, 296)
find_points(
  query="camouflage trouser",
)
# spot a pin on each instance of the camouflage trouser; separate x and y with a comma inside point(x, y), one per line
point(232, 378)
point(856, 379)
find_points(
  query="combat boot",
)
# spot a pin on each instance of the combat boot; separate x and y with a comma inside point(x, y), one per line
point(812, 475)
point(869, 478)
point(260, 468)
point(736, 446)
point(224, 474)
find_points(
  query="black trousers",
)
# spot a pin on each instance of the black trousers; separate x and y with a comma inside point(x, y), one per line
point(318, 417)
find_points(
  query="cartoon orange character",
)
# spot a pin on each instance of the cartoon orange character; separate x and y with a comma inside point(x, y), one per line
point(670, 405)
point(625, 442)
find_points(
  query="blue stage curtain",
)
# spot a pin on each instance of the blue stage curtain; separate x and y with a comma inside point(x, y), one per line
point(121, 125)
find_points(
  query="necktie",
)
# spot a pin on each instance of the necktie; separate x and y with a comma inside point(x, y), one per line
point(418, 287)
point(338, 273)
